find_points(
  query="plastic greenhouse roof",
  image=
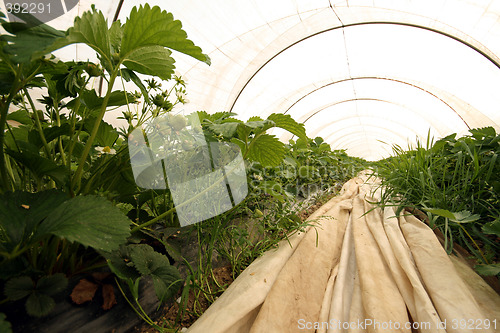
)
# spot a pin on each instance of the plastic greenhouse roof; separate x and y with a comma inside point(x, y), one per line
point(363, 74)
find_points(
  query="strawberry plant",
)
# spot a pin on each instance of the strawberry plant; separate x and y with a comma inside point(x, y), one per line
point(59, 166)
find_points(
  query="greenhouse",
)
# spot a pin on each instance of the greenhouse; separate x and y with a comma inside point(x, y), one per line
point(250, 166)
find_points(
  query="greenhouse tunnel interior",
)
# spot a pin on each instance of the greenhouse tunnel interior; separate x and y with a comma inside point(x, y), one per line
point(281, 116)
point(364, 75)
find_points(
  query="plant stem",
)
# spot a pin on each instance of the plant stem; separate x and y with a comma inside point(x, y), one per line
point(37, 123)
point(61, 149)
point(144, 316)
point(79, 171)
point(90, 268)
point(130, 303)
point(475, 244)
point(4, 108)
point(153, 221)
point(8, 166)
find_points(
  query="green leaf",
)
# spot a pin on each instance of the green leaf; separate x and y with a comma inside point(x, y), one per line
point(463, 216)
point(6, 79)
point(216, 117)
point(54, 132)
point(240, 144)
point(130, 75)
point(116, 36)
point(290, 161)
point(307, 171)
point(117, 98)
point(50, 133)
point(133, 286)
point(119, 262)
point(267, 150)
point(16, 135)
point(18, 288)
point(480, 133)
point(166, 278)
point(324, 147)
point(20, 116)
point(226, 129)
point(40, 166)
point(302, 143)
point(441, 212)
point(39, 304)
point(91, 29)
point(319, 140)
point(243, 133)
point(255, 118)
point(52, 284)
point(151, 60)
point(89, 220)
point(166, 281)
point(492, 228)
point(287, 123)
point(146, 259)
point(106, 134)
point(488, 270)
point(273, 189)
point(28, 42)
point(148, 26)
point(21, 212)
point(264, 124)
point(5, 326)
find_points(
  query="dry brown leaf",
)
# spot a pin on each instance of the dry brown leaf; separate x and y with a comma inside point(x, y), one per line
point(108, 295)
point(84, 291)
point(99, 276)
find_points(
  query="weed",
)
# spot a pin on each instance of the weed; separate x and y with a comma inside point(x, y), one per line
point(456, 181)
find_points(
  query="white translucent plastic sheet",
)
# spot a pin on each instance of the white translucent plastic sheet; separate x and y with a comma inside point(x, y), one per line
point(268, 55)
point(204, 178)
point(362, 270)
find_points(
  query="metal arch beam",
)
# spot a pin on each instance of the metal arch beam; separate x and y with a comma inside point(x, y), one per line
point(351, 140)
point(345, 118)
point(356, 141)
point(374, 78)
point(118, 9)
point(489, 57)
point(339, 141)
point(355, 100)
point(414, 85)
point(345, 141)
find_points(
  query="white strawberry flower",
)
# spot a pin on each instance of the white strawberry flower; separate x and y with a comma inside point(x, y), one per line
point(105, 150)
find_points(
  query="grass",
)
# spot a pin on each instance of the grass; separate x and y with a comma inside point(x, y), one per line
point(457, 183)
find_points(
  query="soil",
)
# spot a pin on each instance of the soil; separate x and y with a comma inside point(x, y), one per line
point(169, 314)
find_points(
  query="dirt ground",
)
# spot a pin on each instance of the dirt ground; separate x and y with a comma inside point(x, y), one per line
point(169, 314)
